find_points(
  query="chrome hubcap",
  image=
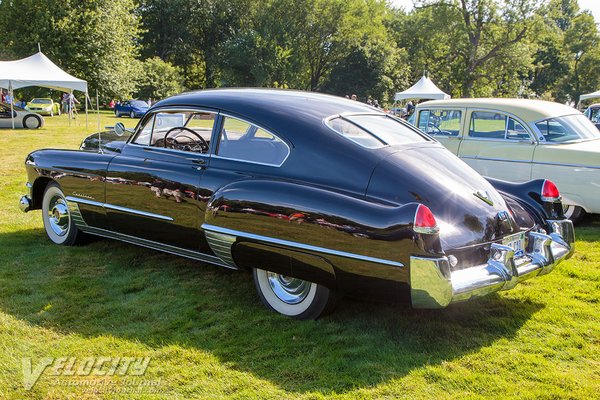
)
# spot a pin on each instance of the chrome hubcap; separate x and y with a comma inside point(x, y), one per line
point(58, 215)
point(287, 289)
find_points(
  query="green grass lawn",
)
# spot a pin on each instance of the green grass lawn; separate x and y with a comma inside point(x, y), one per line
point(208, 335)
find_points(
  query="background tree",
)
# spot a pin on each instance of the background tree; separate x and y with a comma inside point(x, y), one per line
point(159, 79)
point(93, 39)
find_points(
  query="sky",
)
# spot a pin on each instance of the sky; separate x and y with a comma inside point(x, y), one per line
point(592, 5)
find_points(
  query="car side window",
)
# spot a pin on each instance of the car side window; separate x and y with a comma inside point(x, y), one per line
point(440, 122)
point(493, 125)
point(178, 130)
point(242, 141)
point(145, 133)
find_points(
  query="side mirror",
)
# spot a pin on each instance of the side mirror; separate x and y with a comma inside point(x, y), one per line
point(119, 129)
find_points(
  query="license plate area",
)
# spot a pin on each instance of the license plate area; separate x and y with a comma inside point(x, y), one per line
point(517, 243)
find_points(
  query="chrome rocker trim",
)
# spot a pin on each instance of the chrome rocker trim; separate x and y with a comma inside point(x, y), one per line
point(435, 285)
point(211, 230)
point(194, 255)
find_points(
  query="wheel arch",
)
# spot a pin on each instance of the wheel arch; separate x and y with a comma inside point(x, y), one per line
point(37, 191)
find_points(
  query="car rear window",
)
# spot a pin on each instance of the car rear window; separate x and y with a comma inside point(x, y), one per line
point(374, 131)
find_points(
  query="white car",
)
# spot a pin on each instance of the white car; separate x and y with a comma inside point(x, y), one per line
point(519, 140)
point(23, 118)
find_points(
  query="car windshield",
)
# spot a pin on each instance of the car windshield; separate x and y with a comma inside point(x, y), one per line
point(374, 131)
point(567, 129)
point(138, 103)
point(41, 101)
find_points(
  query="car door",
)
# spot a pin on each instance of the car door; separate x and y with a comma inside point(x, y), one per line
point(445, 124)
point(243, 149)
point(5, 119)
point(152, 187)
point(498, 145)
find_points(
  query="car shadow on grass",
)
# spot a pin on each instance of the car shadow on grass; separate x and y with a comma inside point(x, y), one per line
point(115, 289)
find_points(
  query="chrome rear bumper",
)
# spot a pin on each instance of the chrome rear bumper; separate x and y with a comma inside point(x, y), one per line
point(435, 285)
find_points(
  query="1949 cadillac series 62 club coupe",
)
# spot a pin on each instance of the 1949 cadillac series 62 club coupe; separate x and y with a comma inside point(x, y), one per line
point(316, 195)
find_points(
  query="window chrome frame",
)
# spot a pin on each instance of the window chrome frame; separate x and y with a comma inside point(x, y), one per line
point(155, 111)
point(532, 138)
point(546, 143)
point(214, 152)
point(463, 117)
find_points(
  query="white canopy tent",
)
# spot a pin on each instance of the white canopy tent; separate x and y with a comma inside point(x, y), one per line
point(587, 96)
point(39, 70)
point(423, 89)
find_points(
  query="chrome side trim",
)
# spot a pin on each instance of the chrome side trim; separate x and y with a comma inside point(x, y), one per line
point(531, 162)
point(496, 159)
point(567, 165)
point(137, 212)
point(227, 115)
point(265, 239)
point(118, 208)
point(221, 245)
point(194, 255)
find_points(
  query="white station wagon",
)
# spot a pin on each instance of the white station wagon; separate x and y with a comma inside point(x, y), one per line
point(519, 140)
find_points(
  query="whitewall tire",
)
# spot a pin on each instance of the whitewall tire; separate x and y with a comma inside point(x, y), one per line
point(292, 297)
point(574, 213)
point(58, 223)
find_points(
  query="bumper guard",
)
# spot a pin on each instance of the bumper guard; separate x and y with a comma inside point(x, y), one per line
point(435, 285)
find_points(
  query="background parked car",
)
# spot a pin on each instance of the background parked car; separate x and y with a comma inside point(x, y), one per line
point(593, 114)
point(131, 108)
point(518, 140)
point(23, 118)
point(45, 106)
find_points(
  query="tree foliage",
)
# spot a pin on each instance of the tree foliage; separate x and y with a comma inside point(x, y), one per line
point(93, 39)
point(159, 79)
point(154, 48)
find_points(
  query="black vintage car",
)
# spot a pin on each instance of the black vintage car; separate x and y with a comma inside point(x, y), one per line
point(316, 195)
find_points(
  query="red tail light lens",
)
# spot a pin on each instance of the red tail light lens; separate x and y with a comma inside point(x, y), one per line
point(550, 192)
point(425, 221)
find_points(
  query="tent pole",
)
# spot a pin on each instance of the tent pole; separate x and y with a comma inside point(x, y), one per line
point(12, 111)
point(70, 104)
point(86, 109)
point(98, 110)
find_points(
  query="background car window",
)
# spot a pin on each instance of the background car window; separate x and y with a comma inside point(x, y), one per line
point(441, 122)
point(423, 118)
point(492, 125)
point(567, 128)
point(242, 141)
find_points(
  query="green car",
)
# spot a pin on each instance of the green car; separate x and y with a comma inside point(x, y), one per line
point(44, 106)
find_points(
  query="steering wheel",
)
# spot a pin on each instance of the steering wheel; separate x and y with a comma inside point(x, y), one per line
point(432, 128)
point(203, 143)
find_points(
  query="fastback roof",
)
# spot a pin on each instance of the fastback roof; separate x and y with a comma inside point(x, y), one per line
point(270, 103)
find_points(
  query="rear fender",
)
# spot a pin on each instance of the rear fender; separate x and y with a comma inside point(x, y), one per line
point(528, 195)
point(312, 233)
